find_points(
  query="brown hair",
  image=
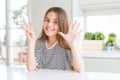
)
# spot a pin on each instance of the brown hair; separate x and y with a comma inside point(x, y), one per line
point(63, 26)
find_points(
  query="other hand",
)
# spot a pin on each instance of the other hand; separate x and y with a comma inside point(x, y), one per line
point(73, 33)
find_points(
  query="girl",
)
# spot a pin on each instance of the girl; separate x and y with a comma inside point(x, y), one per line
point(55, 48)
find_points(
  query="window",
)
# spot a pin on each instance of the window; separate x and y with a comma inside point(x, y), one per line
point(17, 14)
point(18, 36)
point(2, 20)
point(2, 29)
point(104, 20)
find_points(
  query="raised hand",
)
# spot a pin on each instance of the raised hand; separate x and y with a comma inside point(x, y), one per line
point(72, 34)
point(29, 32)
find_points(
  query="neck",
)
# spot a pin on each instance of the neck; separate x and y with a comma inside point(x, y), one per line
point(51, 42)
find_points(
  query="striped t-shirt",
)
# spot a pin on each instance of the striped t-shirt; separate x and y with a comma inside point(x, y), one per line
point(52, 58)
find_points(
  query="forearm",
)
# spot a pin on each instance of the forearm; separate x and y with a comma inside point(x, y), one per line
point(31, 62)
point(77, 62)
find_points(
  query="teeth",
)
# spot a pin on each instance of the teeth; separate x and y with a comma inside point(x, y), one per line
point(50, 29)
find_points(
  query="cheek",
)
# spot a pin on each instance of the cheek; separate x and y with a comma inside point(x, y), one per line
point(44, 28)
point(57, 28)
point(44, 24)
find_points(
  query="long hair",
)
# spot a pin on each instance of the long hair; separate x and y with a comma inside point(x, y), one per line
point(62, 24)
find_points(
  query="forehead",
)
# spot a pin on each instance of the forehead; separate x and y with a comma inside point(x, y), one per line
point(51, 15)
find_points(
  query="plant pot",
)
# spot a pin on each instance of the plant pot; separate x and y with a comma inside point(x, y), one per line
point(93, 45)
point(110, 48)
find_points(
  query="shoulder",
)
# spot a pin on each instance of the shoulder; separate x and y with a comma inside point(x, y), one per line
point(40, 43)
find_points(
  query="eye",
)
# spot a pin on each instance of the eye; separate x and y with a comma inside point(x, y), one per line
point(46, 20)
point(56, 22)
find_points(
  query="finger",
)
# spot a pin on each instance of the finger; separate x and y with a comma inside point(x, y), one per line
point(62, 34)
point(28, 35)
point(70, 25)
point(31, 26)
point(24, 26)
point(77, 26)
point(80, 31)
point(74, 24)
point(30, 31)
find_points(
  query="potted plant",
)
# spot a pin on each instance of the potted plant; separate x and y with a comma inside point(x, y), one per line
point(19, 16)
point(93, 41)
point(88, 36)
point(110, 44)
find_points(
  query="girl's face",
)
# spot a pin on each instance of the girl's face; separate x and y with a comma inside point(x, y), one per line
point(50, 24)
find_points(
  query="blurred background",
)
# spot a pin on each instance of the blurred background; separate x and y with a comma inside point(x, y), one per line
point(100, 20)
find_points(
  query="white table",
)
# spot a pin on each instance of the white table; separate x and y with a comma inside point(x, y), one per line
point(20, 73)
point(56, 75)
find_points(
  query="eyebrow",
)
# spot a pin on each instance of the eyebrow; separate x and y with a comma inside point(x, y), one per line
point(49, 18)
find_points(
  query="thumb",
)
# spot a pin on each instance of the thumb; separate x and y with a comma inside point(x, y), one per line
point(62, 34)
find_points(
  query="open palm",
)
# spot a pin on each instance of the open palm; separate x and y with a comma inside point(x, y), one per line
point(72, 34)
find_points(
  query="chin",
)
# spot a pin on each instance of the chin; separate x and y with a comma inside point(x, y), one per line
point(51, 34)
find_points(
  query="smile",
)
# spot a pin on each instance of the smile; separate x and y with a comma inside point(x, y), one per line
point(49, 29)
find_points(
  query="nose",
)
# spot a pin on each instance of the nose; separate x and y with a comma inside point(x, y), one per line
point(50, 24)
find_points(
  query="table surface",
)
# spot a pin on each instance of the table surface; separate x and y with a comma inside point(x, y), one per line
point(20, 73)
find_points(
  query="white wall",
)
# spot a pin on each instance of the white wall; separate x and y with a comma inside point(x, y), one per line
point(37, 9)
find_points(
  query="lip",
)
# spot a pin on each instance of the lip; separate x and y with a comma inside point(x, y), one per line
point(49, 29)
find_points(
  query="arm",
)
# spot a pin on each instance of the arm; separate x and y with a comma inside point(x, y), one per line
point(77, 60)
point(30, 59)
point(70, 37)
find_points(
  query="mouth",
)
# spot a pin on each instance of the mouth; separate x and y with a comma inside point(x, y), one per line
point(50, 29)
